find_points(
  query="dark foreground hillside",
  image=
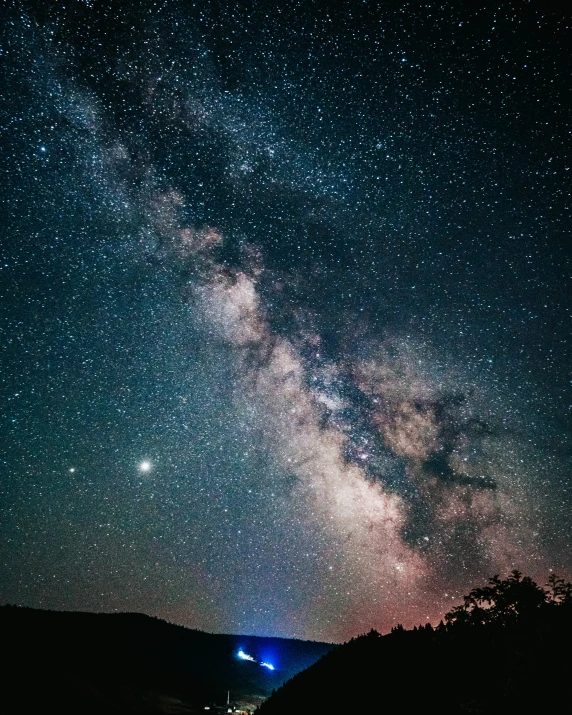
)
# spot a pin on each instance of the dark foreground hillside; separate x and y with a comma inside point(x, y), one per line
point(95, 664)
point(493, 656)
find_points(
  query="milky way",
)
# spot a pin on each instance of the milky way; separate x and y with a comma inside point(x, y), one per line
point(286, 334)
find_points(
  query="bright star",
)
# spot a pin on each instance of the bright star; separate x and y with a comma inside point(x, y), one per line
point(145, 466)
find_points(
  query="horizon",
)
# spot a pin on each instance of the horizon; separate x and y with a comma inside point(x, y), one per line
point(255, 635)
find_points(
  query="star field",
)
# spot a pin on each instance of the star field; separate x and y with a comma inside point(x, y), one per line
point(285, 308)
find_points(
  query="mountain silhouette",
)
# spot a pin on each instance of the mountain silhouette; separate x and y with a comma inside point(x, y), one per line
point(98, 664)
point(506, 650)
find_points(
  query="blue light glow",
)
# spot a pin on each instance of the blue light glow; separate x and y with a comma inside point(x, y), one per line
point(267, 665)
point(244, 656)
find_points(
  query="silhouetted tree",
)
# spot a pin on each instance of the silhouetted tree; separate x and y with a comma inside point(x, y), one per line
point(502, 601)
point(559, 590)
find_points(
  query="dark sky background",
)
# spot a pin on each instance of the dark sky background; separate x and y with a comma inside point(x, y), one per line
point(285, 308)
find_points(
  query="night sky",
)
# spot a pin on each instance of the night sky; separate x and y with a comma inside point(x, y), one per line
point(285, 308)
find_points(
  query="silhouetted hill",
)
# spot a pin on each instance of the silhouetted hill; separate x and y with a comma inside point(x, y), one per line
point(503, 656)
point(131, 663)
